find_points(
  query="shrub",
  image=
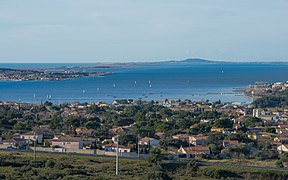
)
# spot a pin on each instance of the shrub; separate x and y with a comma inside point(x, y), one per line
point(192, 165)
point(49, 163)
point(279, 163)
point(157, 175)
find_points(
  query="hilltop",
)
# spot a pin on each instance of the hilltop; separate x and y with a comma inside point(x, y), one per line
point(196, 60)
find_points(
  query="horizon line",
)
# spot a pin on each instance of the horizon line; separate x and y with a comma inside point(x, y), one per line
point(154, 61)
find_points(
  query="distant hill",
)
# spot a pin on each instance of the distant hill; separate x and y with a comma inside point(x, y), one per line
point(197, 61)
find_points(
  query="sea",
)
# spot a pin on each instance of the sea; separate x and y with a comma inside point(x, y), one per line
point(196, 82)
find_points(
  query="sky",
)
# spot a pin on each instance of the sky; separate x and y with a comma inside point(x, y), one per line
point(76, 31)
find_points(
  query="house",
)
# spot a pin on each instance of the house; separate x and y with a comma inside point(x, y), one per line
point(194, 150)
point(239, 120)
point(226, 143)
point(217, 130)
point(31, 136)
point(117, 130)
point(147, 141)
point(16, 135)
point(113, 148)
point(283, 126)
point(256, 129)
point(67, 142)
point(198, 140)
point(160, 134)
point(282, 148)
point(254, 136)
point(206, 120)
point(18, 143)
point(282, 131)
point(44, 127)
point(283, 140)
point(182, 137)
point(84, 131)
point(237, 126)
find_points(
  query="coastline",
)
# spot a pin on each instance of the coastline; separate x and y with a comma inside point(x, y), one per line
point(40, 75)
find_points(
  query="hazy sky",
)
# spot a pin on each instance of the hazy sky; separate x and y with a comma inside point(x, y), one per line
point(146, 30)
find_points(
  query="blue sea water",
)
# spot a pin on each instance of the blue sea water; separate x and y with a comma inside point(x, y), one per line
point(197, 82)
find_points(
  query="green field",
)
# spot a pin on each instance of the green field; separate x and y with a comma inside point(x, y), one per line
point(16, 165)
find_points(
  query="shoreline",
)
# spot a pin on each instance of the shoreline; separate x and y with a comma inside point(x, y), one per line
point(37, 75)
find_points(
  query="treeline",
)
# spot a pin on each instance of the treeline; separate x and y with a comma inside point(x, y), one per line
point(271, 101)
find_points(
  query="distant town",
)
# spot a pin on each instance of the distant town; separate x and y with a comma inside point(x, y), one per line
point(256, 133)
point(260, 89)
point(38, 75)
point(180, 127)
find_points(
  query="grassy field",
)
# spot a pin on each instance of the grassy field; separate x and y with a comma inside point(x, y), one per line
point(15, 165)
point(244, 162)
point(64, 166)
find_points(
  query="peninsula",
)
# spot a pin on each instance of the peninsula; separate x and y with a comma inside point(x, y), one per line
point(39, 75)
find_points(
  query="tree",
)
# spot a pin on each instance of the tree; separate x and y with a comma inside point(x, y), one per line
point(155, 159)
point(223, 123)
point(92, 125)
point(200, 128)
point(270, 130)
point(124, 122)
point(162, 126)
point(47, 103)
point(253, 121)
point(272, 101)
point(239, 149)
point(214, 139)
point(165, 143)
point(126, 139)
point(264, 143)
point(165, 112)
point(240, 136)
point(183, 124)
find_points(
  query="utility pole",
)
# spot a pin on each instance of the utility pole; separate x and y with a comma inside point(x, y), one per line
point(35, 145)
point(117, 156)
point(138, 148)
point(149, 141)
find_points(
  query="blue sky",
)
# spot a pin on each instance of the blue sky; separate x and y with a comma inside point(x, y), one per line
point(149, 30)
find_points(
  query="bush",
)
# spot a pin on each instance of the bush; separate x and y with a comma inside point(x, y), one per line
point(154, 159)
point(49, 163)
point(157, 175)
point(279, 163)
point(37, 164)
point(192, 165)
point(25, 168)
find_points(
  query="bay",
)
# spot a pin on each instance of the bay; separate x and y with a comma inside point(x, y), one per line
point(197, 82)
